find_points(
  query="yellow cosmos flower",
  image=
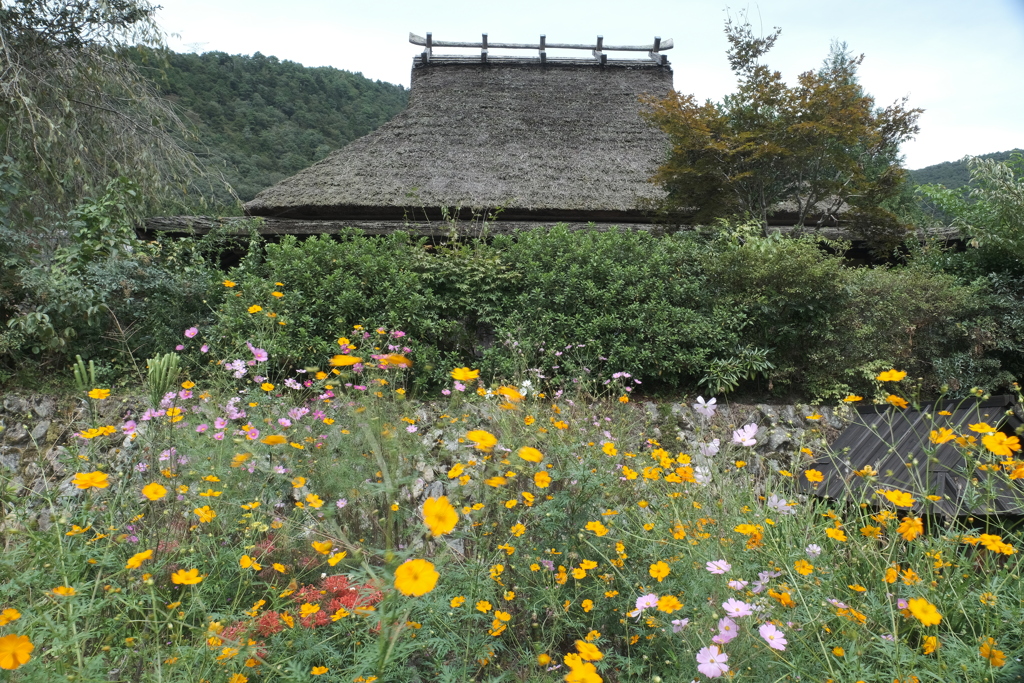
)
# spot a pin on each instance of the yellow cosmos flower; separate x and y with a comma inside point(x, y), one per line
point(186, 577)
point(322, 547)
point(924, 611)
point(136, 560)
point(246, 562)
point(891, 376)
point(943, 435)
point(308, 609)
point(229, 283)
point(91, 480)
point(669, 604)
point(910, 528)
point(588, 651)
point(64, 591)
point(439, 516)
point(154, 491)
point(255, 308)
point(267, 386)
point(15, 651)
point(396, 360)
point(530, 454)
point(929, 644)
point(899, 498)
point(464, 374)
point(803, 567)
point(482, 440)
point(416, 577)
point(988, 651)
point(99, 394)
point(853, 398)
point(893, 399)
point(837, 534)
point(659, 570)
point(343, 360)
point(205, 514)
point(541, 480)
point(8, 615)
point(457, 601)
point(597, 527)
point(511, 393)
point(274, 439)
point(483, 606)
point(814, 476)
point(1001, 444)
point(318, 670)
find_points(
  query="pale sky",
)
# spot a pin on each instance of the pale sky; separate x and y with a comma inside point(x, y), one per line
point(963, 62)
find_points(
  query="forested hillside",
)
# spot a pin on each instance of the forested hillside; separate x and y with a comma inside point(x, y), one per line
point(260, 119)
point(952, 174)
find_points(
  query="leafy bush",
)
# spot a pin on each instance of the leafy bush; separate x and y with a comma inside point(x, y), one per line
point(566, 308)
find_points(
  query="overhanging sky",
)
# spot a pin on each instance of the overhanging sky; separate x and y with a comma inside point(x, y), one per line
point(963, 62)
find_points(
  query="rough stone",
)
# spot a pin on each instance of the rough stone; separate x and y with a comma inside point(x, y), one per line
point(16, 434)
point(39, 431)
point(10, 458)
point(45, 407)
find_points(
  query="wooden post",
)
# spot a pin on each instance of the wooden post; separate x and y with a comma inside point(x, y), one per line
point(599, 52)
point(543, 50)
point(483, 50)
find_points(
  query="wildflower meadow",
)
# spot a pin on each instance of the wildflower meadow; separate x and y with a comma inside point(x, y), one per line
point(237, 526)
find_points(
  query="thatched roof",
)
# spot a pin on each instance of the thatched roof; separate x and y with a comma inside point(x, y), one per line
point(556, 141)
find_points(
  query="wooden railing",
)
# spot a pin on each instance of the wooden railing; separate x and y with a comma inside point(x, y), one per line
point(599, 50)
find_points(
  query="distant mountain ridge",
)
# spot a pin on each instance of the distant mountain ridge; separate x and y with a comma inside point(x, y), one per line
point(261, 119)
point(953, 174)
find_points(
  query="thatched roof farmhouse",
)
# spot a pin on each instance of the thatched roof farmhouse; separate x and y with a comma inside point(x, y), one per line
point(532, 138)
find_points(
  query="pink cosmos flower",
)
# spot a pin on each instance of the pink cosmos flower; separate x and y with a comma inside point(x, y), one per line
point(737, 608)
point(706, 408)
point(645, 601)
point(775, 638)
point(679, 624)
point(202, 428)
point(709, 449)
point(219, 436)
point(744, 436)
point(727, 630)
point(711, 662)
point(284, 422)
point(737, 584)
point(718, 567)
point(259, 355)
point(191, 332)
point(204, 348)
point(179, 347)
point(813, 550)
point(411, 429)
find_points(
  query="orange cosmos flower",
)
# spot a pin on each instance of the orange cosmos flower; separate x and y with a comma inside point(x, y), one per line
point(15, 651)
point(439, 516)
point(186, 577)
point(91, 480)
point(416, 577)
point(891, 376)
point(464, 374)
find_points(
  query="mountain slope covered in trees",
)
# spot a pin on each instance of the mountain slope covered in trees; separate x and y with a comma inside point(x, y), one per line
point(952, 174)
point(261, 119)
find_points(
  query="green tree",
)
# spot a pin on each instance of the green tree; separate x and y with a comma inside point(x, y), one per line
point(989, 210)
point(817, 150)
point(75, 114)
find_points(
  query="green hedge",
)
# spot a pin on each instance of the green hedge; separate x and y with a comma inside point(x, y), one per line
point(569, 307)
